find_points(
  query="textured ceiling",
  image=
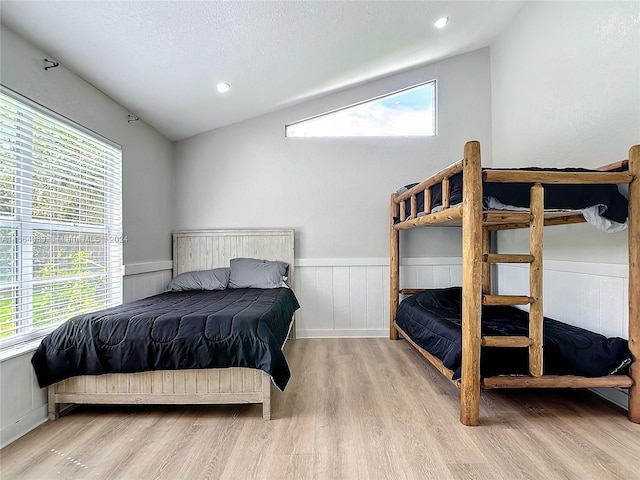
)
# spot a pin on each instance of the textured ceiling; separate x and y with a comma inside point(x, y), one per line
point(162, 59)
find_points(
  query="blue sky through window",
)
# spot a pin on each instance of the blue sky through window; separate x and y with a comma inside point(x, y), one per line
point(409, 112)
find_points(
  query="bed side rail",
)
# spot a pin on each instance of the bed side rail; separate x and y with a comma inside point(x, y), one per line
point(534, 176)
point(425, 186)
point(619, 166)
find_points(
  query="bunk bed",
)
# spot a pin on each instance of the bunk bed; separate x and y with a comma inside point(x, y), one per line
point(455, 197)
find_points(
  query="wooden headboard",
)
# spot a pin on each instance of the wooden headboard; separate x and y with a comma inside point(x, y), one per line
point(207, 249)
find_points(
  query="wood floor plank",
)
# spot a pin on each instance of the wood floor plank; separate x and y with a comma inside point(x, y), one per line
point(212, 447)
point(291, 466)
point(295, 434)
point(354, 409)
point(254, 441)
point(373, 450)
point(453, 444)
point(335, 455)
point(412, 446)
point(121, 458)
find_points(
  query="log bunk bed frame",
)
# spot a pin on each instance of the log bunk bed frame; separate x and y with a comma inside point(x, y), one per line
point(192, 250)
point(477, 258)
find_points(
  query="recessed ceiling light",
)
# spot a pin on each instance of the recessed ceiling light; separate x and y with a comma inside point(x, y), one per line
point(223, 87)
point(441, 22)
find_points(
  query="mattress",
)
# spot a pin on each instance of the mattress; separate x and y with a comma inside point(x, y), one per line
point(433, 320)
point(174, 330)
point(607, 200)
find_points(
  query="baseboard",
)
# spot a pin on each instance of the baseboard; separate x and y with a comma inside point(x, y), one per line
point(24, 425)
point(617, 396)
point(341, 333)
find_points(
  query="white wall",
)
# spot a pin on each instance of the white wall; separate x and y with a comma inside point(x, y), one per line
point(565, 85)
point(146, 154)
point(333, 191)
point(147, 196)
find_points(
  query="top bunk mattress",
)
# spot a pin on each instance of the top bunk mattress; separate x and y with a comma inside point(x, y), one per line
point(604, 200)
point(433, 320)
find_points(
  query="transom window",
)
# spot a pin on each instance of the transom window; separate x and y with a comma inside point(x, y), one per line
point(60, 220)
point(406, 113)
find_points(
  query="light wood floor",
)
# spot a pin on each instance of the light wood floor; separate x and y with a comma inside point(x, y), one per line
point(368, 409)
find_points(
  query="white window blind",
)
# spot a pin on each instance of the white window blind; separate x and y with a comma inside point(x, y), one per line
point(60, 220)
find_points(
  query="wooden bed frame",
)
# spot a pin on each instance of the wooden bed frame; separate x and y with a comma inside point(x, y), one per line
point(477, 258)
point(192, 250)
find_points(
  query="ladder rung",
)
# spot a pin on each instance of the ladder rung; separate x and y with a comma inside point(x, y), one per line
point(505, 341)
point(506, 300)
point(507, 258)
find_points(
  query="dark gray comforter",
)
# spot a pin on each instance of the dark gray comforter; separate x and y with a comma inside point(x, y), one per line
point(174, 330)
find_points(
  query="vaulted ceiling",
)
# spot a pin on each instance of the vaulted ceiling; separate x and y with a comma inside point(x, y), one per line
point(163, 59)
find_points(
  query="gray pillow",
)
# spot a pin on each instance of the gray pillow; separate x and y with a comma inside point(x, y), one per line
point(254, 273)
point(216, 279)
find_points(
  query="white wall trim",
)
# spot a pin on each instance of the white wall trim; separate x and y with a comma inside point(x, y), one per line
point(431, 261)
point(340, 262)
point(586, 268)
point(594, 296)
point(375, 262)
point(138, 268)
point(342, 333)
point(20, 349)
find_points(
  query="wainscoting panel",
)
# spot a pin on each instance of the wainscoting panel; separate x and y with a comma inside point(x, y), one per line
point(144, 284)
point(594, 296)
point(23, 404)
point(377, 304)
point(350, 297)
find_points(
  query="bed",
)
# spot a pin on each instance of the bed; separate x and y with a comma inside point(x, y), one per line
point(432, 319)
point(469, 341)
point(216, 336)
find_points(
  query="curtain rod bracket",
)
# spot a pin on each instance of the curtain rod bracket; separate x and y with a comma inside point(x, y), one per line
point(50, 64)
point(132, 118)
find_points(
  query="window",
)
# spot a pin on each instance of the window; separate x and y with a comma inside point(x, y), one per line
point(60, 220)
point(406, 113)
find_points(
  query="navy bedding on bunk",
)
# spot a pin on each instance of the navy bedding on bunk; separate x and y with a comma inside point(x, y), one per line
point(432, 319)
point(556, 196)
point(244, 327)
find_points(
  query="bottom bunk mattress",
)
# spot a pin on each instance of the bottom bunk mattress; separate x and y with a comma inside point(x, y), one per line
point(243, 327)
point(433, 319)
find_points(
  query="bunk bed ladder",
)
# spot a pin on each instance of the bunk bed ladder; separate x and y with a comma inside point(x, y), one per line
point(534, 342)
